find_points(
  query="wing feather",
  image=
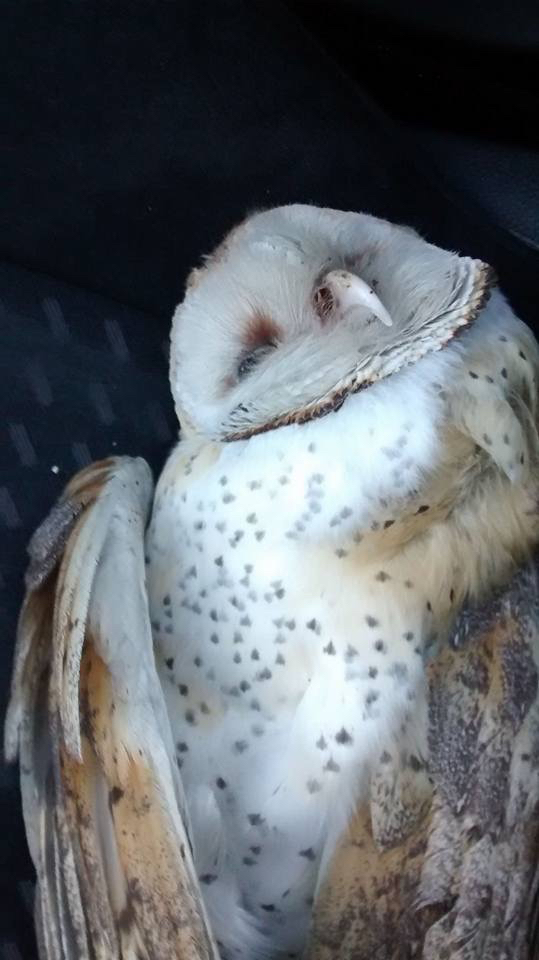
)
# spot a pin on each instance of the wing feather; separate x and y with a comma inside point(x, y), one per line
point(458, 879)
point(102, 796)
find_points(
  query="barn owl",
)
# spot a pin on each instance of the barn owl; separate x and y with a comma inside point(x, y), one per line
point(230, 696)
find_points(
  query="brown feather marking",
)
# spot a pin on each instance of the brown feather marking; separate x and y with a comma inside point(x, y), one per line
point(259, 330)
point(464, 883)
point(160, 898)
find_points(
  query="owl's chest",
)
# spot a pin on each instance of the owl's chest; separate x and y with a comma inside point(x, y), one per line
point(235, 603)
point(257, 584)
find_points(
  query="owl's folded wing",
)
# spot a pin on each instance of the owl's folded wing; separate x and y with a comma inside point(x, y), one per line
point(448, 866)
point(101, 794)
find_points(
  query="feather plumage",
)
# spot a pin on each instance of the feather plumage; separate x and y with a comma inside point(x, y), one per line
point(102, 798)
point(352, 716)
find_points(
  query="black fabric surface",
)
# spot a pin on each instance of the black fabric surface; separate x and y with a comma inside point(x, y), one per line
point(136, 133)
point(80, 377)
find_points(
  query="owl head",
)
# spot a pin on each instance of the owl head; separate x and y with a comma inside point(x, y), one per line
point(299, 307)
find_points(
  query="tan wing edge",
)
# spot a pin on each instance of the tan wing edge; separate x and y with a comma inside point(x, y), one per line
point(102, 798)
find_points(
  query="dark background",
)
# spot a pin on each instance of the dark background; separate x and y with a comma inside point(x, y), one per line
point(136, 133)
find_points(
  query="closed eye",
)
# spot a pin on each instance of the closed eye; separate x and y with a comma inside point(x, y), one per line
point(250, 360)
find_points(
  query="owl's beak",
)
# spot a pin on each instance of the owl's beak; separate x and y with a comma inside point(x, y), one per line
point(351, 292)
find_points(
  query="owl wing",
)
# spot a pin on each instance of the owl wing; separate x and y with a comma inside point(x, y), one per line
point(447, 865)
point(102, 798)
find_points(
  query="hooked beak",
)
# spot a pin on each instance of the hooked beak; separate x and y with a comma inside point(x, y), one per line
point(351, 292)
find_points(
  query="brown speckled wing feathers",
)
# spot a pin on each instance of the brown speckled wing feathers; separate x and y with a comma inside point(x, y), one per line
point(458, 879)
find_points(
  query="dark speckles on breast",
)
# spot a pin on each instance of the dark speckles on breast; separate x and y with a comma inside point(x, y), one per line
point(237, 638)
point(166, 600)
point(382, 576)
point(371, 621)
point(240, 746)
point(238, 604)
point(380, 646)
point(343, 737)
point(255, 819)
point(373, 672)
point(260, 534)
point(204, 708)
point(313, 786)
point(473, 375)
point(228, 498)
point(218, 561)
point(184, 689)
point(245, 686)
point(314, 626)
point(308, 853)
point(169, 662)
point(251, 518)
point(208, 878)
point(245, 621)
point(255, 654)
point(408, 636)
point(330, 649)
point(503, 373)
point(182, 747)
point(190, 717)
point(372, 697)
point(321, 743)
point(279, 659)
point(264, 674)
point(221, 783)
point(198, 661)
point(233, 541)
point(331, 766)
point(237, 657)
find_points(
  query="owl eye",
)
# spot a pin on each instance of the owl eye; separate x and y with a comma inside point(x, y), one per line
point(251, 359)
